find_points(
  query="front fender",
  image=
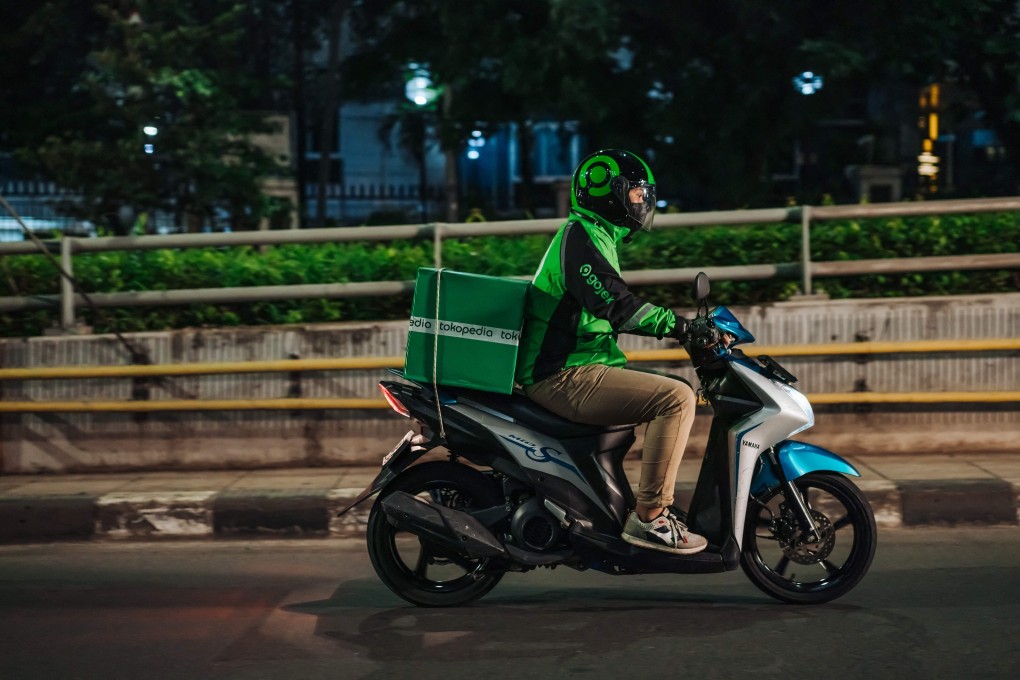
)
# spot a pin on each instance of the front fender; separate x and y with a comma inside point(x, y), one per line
point(797, 459)
point(395, 462)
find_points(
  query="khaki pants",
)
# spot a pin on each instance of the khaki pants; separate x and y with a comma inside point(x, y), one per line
point(608, 395)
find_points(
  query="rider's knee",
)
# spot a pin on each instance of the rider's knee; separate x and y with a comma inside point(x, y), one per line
point(680, 398)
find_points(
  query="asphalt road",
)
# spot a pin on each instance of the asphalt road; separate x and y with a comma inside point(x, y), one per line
point(937, 604)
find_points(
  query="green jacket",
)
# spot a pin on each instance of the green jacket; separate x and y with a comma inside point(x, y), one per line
point(578, 303)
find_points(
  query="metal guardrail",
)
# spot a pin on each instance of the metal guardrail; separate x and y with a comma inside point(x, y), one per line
point(67, 301)
point(368, 363)
point(674, 355)
point(304, 404)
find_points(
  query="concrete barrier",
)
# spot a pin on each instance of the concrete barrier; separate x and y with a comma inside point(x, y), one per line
point(80, 442)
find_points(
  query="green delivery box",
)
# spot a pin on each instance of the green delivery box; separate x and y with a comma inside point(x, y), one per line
point(479, 325)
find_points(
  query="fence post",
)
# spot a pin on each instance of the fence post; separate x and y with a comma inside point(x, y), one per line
point(66, 287)
point(437, 244)
point(805, 249)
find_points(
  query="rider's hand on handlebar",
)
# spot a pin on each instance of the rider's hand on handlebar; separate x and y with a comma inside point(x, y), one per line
point(680, 329)
point(701, 332)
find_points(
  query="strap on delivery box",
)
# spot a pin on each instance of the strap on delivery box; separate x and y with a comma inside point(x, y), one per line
point(435, 359)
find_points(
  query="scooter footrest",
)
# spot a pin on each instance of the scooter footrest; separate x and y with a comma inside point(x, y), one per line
point(538, 559)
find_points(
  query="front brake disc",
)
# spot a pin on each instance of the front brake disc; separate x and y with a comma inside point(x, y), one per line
point(801, 552)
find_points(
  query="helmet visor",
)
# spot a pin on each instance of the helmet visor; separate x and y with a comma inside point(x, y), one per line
point(640, 203)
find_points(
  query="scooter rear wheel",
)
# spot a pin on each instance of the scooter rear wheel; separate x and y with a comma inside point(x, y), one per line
point(780, 561)
point(417, 570)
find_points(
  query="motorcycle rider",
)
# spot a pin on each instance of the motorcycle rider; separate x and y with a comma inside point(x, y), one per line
point(569, 361)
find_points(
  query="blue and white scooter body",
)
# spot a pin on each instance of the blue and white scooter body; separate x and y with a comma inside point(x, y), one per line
point(785, 412)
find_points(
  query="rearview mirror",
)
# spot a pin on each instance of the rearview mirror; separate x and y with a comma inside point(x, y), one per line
point(701, 287)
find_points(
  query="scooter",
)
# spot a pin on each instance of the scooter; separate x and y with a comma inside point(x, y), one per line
point(523, 488)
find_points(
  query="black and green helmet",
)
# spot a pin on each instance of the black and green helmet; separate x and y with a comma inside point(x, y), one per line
point(618, 187)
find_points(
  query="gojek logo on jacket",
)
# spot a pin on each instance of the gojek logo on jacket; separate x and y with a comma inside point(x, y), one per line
point(594, 282)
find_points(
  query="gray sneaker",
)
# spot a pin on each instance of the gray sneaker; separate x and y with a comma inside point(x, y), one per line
point(666, 532)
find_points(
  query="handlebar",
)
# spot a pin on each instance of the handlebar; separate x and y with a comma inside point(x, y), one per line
point(702, 333)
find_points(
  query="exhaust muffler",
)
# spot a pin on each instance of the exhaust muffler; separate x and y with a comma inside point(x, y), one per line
point(452, 529)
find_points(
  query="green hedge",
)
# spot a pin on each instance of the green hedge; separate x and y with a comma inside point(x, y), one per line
point(347, 262)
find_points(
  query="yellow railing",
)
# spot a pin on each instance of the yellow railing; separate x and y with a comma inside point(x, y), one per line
point(232, 367)
point(844, 348)
point(345, 404)
point(368, 363)
point(187, 405)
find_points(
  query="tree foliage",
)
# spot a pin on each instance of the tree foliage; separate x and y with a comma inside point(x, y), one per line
point(971, 44)
point(702, 88)
point(179, 68)
point(498, 62)
point(718, 109)
point(705, 89)
point(511, 256)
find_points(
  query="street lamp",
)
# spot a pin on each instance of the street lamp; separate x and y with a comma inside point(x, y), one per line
point(419, 87)
point(150, 131)
point(475, 143)
point(422, 92)
point(808, 82)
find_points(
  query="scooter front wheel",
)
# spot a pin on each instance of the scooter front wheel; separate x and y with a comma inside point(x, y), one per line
point(784, 561)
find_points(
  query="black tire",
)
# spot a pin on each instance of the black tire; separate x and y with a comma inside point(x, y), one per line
point(772, 553)
point(452, 582)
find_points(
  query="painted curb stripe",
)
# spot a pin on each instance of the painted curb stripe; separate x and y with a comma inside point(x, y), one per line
point(152, 515)
point(194, 514)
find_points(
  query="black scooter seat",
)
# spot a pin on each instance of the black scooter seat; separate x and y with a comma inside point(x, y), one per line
point(526, 412)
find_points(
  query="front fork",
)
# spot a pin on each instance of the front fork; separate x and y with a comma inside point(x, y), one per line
point(794, 496)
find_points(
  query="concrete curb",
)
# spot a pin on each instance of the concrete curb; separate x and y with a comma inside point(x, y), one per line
point(312, 513)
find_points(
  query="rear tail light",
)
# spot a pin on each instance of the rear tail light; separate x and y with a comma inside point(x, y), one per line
point(394, 402)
